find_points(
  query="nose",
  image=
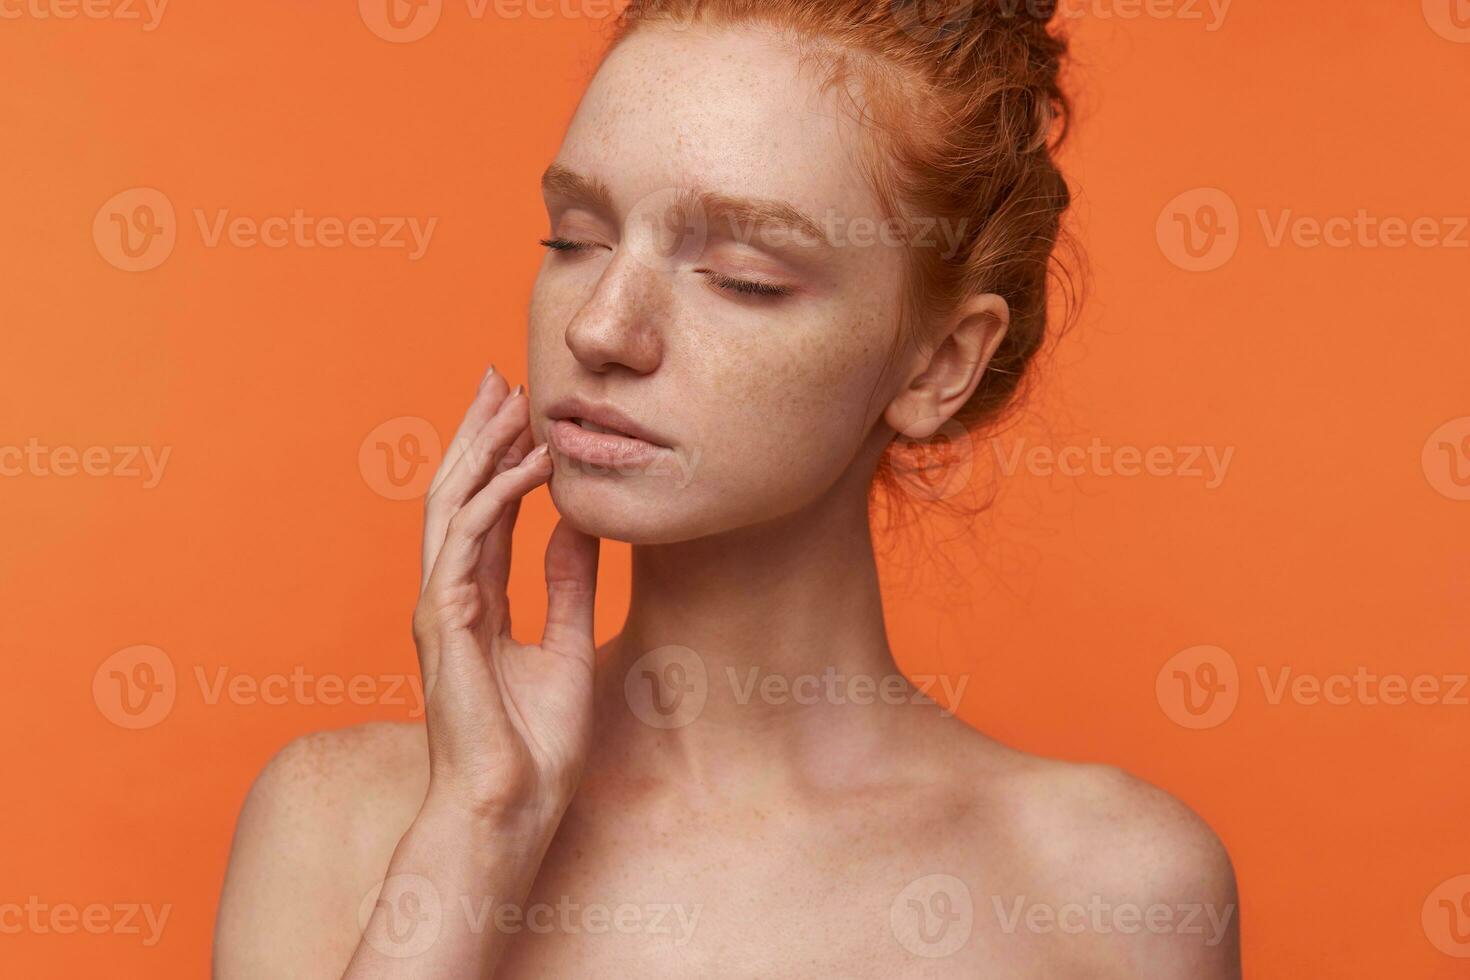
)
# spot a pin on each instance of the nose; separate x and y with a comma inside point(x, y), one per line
point(619, 325)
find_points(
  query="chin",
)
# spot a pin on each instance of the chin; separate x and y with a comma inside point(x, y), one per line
point(634, 509)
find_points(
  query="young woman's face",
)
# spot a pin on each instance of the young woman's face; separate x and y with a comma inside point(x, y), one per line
point(747, 352)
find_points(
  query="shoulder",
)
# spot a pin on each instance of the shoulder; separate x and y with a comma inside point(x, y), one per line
point(1092, 868)
point(1127, 872)
point(314, 835)
point(1118, 825)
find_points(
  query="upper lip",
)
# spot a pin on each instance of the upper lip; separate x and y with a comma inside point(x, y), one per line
point(607, 416)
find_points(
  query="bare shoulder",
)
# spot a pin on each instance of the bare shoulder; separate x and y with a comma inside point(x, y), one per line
point(1119, 872)
point(315, 834)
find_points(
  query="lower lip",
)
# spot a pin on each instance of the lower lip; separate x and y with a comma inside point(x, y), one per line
point(600, 448)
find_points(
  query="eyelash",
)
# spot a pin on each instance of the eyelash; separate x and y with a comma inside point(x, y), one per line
point(745, 287)
point(565, 245)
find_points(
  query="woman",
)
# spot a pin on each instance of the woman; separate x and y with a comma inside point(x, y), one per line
point(783, 234)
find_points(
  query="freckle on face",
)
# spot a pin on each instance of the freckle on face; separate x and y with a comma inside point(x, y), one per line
point(775, 396)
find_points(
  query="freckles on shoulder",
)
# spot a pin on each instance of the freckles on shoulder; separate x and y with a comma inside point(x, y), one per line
point(1122, 869)
point(316, 830)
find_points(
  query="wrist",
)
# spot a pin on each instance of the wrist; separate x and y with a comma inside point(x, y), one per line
point(528, 822)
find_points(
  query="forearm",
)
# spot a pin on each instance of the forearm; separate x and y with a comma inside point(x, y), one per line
point(435, 916)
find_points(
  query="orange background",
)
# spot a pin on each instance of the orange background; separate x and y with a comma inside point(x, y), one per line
point(1329, 545)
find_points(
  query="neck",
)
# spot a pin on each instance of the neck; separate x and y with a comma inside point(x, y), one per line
point(776, 625)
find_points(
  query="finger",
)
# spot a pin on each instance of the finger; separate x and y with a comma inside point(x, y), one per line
point(487, 401)
point(571, 591)
point(465, 537)
point(488, 396)
point(495, 558)
point(477, 462)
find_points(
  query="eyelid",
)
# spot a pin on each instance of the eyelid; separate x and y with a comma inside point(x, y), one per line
point(746, 287)
point(559, 244)
point(732, 284)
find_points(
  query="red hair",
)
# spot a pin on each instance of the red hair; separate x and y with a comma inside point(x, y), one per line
point(966, 110)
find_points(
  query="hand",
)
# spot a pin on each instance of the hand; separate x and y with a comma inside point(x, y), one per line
point(509, 724)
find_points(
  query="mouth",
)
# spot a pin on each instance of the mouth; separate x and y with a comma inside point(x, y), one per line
point(591, 426)
point(601, 435)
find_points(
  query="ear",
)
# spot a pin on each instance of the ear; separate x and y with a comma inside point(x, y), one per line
point(944, 379)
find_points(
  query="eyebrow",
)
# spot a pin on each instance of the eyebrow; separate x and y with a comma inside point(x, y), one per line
point(751, 212)
point(568, 183)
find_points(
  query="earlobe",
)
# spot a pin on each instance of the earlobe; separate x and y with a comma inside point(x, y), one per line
point(944, 380)
point(912, 413)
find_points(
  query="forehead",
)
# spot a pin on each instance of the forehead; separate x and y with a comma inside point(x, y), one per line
point(731, 110)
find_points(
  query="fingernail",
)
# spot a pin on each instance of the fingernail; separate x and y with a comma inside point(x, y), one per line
point(536, 455)
point(488, 375)
point(516, 391)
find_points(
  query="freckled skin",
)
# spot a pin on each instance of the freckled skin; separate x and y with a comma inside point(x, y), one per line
point(780, 398)
point(791, 831)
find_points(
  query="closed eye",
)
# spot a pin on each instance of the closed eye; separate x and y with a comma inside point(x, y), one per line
point(566, 244)
point(747, 287)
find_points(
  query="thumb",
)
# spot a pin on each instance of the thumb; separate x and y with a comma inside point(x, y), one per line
point(571, 590)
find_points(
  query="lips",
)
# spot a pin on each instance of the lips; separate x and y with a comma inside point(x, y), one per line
point(594, 427)
point(601, 434)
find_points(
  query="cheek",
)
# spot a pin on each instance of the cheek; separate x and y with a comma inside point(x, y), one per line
point(799, 409)
point(548, 303)
point(553, 304)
